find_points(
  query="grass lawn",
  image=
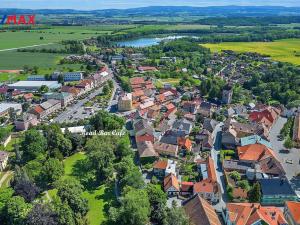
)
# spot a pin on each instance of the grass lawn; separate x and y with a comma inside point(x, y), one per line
point(12, 77)
point(6, 182)
point(98, 203)
point(70, 162)
point(160, 82)
point(284, 50)
point(98, 198)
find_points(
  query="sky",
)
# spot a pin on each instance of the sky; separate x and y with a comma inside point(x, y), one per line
point(123, 4)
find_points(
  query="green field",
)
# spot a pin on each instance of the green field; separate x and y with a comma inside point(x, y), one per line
point(19, 39)
point(98, 198)
point(282, 50)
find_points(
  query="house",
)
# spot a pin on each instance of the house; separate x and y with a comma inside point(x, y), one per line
point(72, 90)
point(205, 140)
point(208, 188)
point(51, 106)
point(166, 149)
point(7, 107)
point(186, 188)
point(154, 112)
point(171, 185)
point(28, 97)
point(38, 111)
point(267, 117)
point(262, 157)
point(252, 213)
point(86, 85)
point(146, 151)
point(227, 94)
point(64, 97)
point(125, 102)
point(206, 109)
point(253, 139)
point(165, 97)
point(162, 168)
point(210, 124)
point(159, 168)
point(172, 137)
point(292, 212)
point(190, 107)
point(236, 165)
point(184, 144)
point(183, 125)
point(26, 121)
point(233, 131)
point(296, 129)
point(3, 160)
point(200, 212)
point(143, 130)
point(276, 191)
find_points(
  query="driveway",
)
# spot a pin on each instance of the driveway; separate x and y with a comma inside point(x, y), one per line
point(290, 169)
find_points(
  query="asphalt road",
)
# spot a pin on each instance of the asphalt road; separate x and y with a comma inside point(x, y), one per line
point(215, 154)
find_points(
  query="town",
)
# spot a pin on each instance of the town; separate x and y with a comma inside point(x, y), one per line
point(170, 133)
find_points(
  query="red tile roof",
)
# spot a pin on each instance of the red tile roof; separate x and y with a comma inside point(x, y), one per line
point(294, 209)
point(38, 109)
point(137, 80)
point(161, 164)
point(171, 181)
point(249, 213)
point(254, 152)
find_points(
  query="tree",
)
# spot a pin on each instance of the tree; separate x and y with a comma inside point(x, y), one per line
point(134, 210)
point(288, 143)
point(34, 144)
point(244, 184)
point(27, 189)
point(42, 215)
point(105, 121)
point(105, 90)
point(57, 140)
point(100, 158)
point(17, 210)
point(5, 195)
point(43, 89)
point(254, 193)
point(176, 216)
point(64, 212)
point(158, 200)
point(236, 176)
point(70, 191)
point(52, 171)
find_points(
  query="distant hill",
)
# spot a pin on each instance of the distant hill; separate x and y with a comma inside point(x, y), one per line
point(171, 11)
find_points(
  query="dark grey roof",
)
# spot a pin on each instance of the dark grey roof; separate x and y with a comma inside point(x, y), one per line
point(183, 125)
point(236, 165)
point(210, 124)
point(170, 137)
point(276, 186)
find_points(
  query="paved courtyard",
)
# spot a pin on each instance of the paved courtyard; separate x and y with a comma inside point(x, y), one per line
point(292, 168)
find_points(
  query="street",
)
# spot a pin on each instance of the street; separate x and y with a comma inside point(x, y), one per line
point(219, 171)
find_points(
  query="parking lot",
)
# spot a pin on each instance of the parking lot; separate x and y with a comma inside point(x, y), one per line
point(289, 159)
